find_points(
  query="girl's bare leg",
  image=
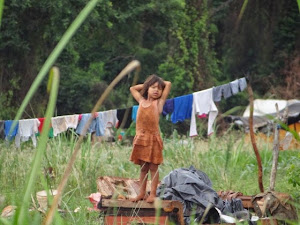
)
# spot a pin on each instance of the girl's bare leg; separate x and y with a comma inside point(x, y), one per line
point(154, 182)
point(143, 182)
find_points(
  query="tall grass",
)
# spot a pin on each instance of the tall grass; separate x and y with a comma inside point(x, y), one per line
point(36, 162)
point(228, 161)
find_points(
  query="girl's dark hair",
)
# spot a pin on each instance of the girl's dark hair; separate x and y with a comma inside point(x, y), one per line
point(152, 79)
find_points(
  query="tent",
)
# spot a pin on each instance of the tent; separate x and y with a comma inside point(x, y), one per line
point(263, 114)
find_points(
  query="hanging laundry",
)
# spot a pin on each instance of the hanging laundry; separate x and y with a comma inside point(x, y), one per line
point(27, 129)
point(235, 86)
point(58, 124)
point(221, 91)
point(7, 125)
point(2, 134)
point(134, 112)
point(50, 135)
point(83, 122)
point(242, 83)
point(124, 114)
point(62, 123)
point(182, 108)
point(72, 121)
point(203, 104)
point(168, 107)
point(41, 124)
point(202, 116)
point(106, 119)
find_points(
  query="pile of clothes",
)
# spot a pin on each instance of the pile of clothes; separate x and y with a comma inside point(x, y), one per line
point(193, 189)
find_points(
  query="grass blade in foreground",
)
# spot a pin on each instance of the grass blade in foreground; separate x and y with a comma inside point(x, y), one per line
point(41, 147)
point(1, 10)
point(53, 56)
point(129, 68)
point(244, 6)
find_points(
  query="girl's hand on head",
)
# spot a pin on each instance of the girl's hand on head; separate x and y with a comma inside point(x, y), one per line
point(135, 91)
point(164, 95)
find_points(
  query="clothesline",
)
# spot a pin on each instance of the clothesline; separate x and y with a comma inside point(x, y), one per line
point(200, 104)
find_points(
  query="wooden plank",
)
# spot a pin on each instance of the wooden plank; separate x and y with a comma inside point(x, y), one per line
point(123, 220)
point(139, 204)
point(169, 207)
point(127, 187)
point(267, 221)
point(246, 201)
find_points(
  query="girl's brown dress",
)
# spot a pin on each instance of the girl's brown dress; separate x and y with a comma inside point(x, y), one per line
point(147, 143)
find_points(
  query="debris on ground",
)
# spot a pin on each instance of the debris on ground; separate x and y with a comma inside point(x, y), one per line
point(8, 211)
point(94, 198)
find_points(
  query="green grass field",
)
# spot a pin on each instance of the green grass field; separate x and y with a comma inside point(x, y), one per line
point(228, 161)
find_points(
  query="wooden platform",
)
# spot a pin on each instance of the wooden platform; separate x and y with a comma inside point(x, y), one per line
point(118, 210)
point(125, 212)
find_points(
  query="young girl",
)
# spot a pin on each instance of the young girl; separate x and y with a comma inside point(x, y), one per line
point(147, 143)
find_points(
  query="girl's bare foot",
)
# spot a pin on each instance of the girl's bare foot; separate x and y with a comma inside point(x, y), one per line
point(150, 199)
point(146, 196)
point(138, 198)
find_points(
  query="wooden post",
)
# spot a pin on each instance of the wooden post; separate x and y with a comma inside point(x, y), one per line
point(258, 159)
point(275, 152)
point(276, 147)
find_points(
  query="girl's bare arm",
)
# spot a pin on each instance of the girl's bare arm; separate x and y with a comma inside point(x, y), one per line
point(135, 91)
point(164, 96)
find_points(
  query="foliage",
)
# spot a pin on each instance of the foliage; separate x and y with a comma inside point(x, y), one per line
point(294, 171)
point(6, 101)
point(262, 43)
point(191, 62)
point(194, 44)
point(130, 132)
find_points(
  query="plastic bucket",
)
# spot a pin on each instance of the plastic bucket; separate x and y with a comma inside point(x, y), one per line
point(43, 200)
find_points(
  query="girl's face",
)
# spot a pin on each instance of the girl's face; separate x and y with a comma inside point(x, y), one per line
point(154, 91)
